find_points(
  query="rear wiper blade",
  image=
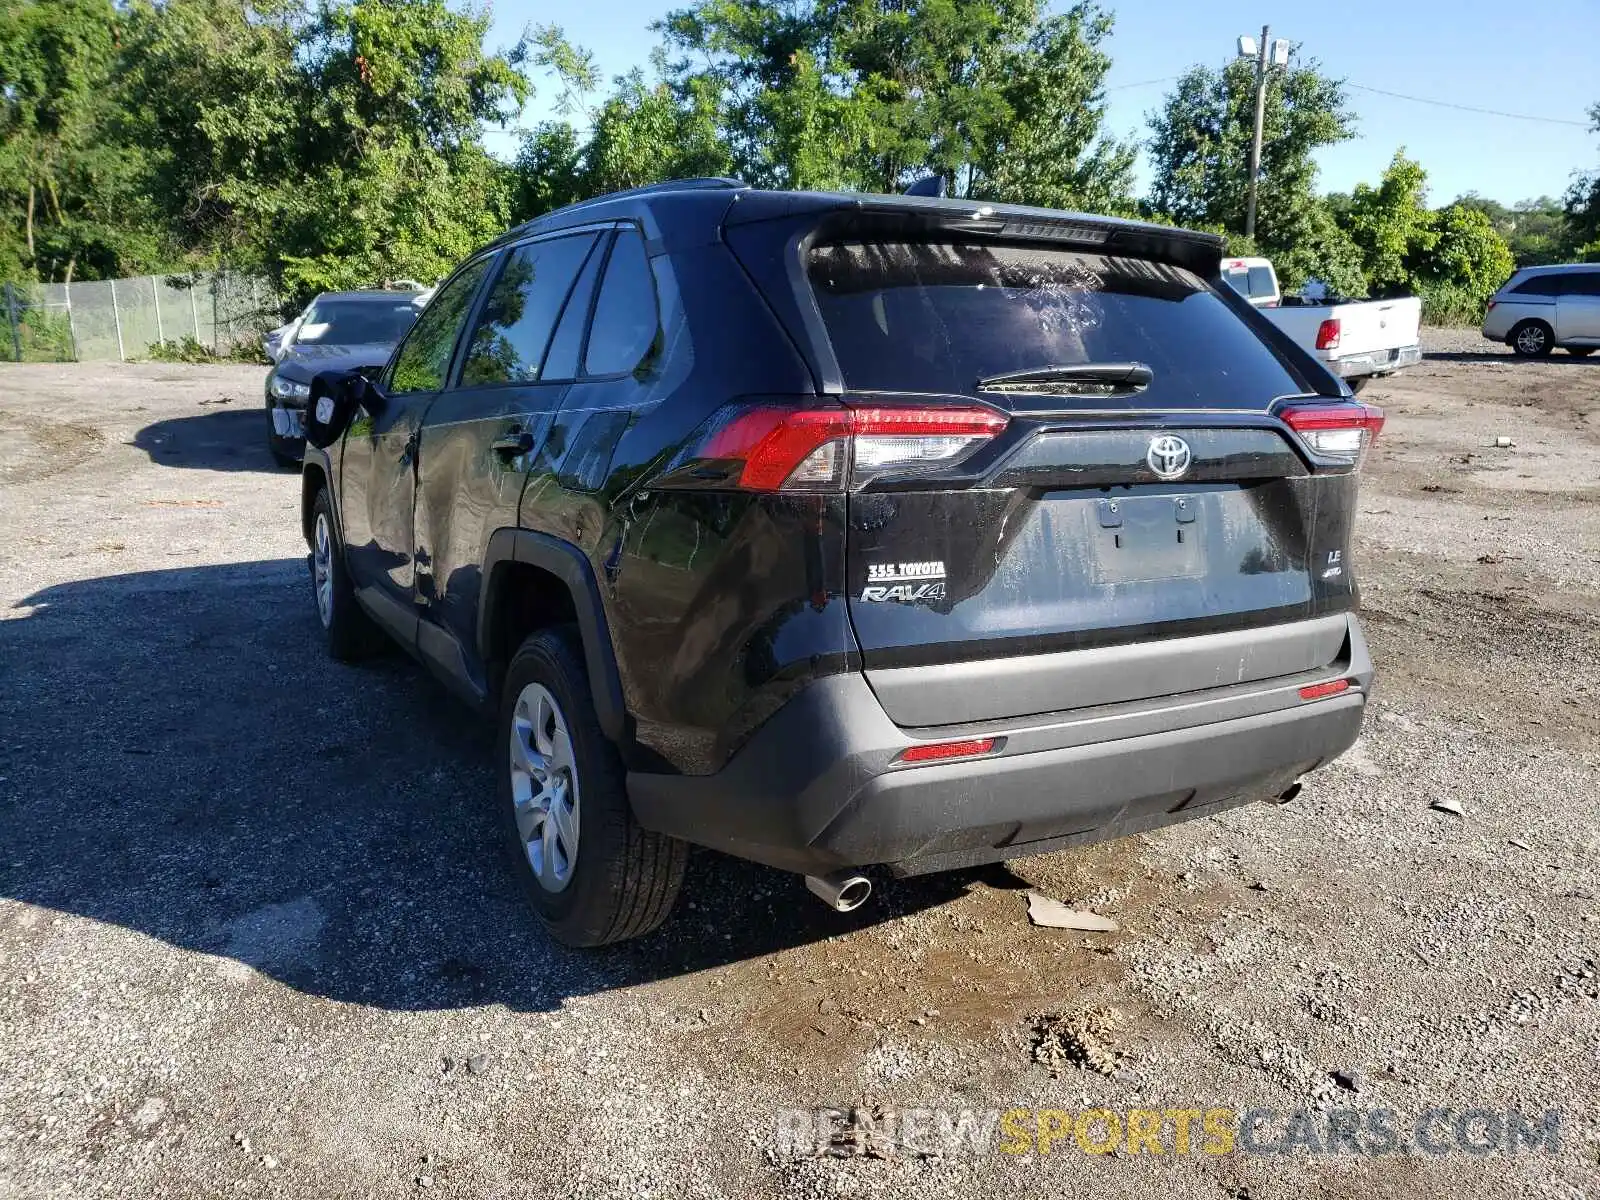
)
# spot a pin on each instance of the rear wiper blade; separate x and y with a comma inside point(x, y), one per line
point(1084, 379)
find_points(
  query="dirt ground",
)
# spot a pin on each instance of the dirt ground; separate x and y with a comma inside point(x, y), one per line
point(256, 938)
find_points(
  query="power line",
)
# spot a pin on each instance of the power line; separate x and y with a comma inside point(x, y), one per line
point(1361, 87)
point(1122, 87)
point(1488, 112)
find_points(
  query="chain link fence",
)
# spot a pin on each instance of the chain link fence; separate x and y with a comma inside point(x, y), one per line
point(116, 320)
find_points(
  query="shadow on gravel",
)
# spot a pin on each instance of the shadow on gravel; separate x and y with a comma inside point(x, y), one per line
point(179, 757)
point(1559, 358)
point(220, 439)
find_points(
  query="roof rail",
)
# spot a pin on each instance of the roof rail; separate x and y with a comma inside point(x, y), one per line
point(704, 183)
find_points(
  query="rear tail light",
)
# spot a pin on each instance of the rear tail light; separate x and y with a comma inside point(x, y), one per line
point(782, 448)
point(1328, 334)
point(941, 751)
point(1336, 430)
point(1492, 303)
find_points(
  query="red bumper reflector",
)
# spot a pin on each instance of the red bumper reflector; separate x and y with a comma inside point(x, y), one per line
point(1318, 691)
point(935, 751)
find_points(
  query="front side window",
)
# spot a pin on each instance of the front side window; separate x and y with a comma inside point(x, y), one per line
point(1582, 283)
point(625, 317)
point(509, 340)
point(424, 357)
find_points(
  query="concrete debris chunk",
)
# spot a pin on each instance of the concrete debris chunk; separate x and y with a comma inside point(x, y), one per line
point(1053, 914)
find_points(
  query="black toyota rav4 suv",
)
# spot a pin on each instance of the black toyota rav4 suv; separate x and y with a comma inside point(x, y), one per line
point(839, 531)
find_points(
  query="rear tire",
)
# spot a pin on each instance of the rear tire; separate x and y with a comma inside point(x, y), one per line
point(1358, 383)
point(350, 632)
point(561, 782)
point(1532, 339)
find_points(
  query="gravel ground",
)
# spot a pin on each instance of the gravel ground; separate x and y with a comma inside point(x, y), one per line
point(257, 939)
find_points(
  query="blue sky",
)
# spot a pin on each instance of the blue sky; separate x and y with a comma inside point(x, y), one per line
point(1469, 52)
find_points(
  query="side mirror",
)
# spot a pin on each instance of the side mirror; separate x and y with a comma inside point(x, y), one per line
point(361, 392)
point(335, 398)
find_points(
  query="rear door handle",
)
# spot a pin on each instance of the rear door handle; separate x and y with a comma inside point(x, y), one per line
point(517, 441)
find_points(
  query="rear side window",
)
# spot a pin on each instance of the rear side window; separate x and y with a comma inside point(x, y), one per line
point(519, 313)
point(1538, 285)
point(561, 362)
point(938, 317)
point(1582, 283)
point(625, 317)
point(424, 356)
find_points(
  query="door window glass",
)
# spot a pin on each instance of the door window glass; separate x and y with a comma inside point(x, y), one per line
point(424, 356)
point(562, 360)
point(1582, 283)
point(625, 318)
point(508, 343)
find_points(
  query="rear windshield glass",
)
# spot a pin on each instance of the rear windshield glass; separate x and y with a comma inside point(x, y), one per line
point(356, 322)
point(1254, 282)
point(938, 317)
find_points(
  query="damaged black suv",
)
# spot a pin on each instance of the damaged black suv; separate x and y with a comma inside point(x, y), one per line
point(841, 532)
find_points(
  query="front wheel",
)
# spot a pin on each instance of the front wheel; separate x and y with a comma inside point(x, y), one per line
point(591, 873)
point(350, 632)
point(1532, 339)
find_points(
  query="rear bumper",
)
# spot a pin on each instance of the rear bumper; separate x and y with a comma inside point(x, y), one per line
point(1380, 362)
point(818, 787)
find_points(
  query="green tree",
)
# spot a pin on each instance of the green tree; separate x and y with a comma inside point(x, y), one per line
point(1583, 208)
point(332, 146)
point(1001, 99)
point(1199, 144)
point(1465, 252)
point(1390, 223)
point(1199, 147)
point(1535, 229)
point(69, 187)
point(1453, 257)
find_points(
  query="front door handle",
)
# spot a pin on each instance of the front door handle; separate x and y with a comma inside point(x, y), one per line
point(514, 442)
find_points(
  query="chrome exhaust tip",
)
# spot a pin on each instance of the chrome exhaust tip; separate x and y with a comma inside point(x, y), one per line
point(842, 891)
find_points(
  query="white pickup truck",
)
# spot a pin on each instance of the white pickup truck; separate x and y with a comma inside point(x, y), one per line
point(1356, 339)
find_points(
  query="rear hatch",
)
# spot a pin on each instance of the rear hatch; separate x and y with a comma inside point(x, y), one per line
point(1058, 448)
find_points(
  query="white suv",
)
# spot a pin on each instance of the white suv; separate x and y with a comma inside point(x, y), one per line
point(1540, 308)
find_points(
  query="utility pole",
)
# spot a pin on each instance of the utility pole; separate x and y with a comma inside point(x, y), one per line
point(1255, 143)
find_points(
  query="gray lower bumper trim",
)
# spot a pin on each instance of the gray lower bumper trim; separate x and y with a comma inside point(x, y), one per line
point(818, 787)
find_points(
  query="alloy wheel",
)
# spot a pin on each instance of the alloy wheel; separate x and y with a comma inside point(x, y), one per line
point(544, 787)
point(1530, 340)
point(322, 569)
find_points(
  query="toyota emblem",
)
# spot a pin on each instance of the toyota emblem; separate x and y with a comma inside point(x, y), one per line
point(1169, 456)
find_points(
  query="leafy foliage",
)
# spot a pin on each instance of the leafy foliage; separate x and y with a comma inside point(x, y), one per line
point(1583, 206)
point(1453, 257)
point(339, 143)
point(1200, 147)
point(73, 198)
point(1390, 224)
point(1535, 229)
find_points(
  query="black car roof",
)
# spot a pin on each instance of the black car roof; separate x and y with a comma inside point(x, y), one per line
point(732, 202)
